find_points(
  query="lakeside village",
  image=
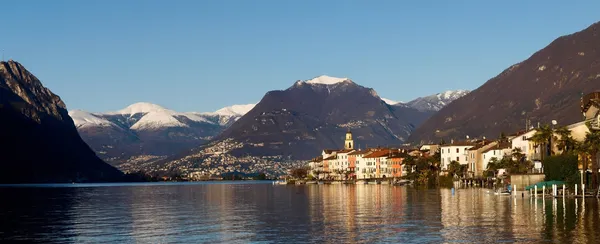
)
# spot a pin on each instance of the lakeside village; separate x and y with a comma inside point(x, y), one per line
point(538, 157)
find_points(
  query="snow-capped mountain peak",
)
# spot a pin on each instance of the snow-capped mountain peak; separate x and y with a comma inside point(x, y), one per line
point(157, 119)
point(235, 110)
point(325, 80)
point(85, 119)
point(143, 107)
point(437, 101)
point(451, 94)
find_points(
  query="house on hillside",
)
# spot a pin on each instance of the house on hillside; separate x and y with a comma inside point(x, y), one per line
point(430, 149)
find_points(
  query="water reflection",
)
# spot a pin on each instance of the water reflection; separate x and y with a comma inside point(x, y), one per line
point(242, 213)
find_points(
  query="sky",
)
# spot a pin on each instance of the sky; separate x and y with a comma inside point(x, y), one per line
point(203, 55)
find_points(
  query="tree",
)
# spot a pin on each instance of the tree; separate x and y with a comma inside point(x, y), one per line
point(543, 138)
point(299, 173)
point(564, 140)
point(591, 145)
point(260, 176)
point(456, 169)
point(562, 167)
point(518, 154)
point(492, 168)
point(317, 173)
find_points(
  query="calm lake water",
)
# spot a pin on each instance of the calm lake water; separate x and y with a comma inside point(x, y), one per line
point(259, 212)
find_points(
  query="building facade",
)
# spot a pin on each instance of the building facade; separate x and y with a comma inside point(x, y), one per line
point(455, 151)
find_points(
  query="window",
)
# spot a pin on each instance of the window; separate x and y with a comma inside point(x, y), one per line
point(524, 138)
point(457, 150)
point(457, 159)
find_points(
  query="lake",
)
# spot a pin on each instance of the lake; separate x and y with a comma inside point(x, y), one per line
point(259, 212)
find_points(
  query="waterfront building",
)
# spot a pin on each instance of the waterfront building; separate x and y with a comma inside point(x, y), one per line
point(395, 161)
point(360, 166)
point(475, 158)
point(498, 151)
point(522, 141)
point(455, 151)
point(377, 166)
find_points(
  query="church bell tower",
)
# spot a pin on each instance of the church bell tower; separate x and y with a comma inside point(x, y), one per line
point(349, 143)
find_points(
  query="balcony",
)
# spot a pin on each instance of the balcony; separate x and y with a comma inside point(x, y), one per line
point(594, 123)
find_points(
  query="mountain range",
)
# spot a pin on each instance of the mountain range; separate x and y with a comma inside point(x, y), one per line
point(312, 115)
point(151, 131)
point(145, 132)
point(547, 86)
point(40, 143)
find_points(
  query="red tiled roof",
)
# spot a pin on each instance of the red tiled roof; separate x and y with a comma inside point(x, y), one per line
point(329, 151)
point(359, 152)
point(398, 155)
point(500, 146)
point(331, 157)
point(317, 159)
point(345, 151)
point(480, 145)
point(459, 143)
point(378, 154)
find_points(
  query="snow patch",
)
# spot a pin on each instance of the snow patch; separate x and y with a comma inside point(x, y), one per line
point(235, 110)
point(157, 119)
point(85, 119)
point(143, 107)
point(389, 101)
point(325, 80)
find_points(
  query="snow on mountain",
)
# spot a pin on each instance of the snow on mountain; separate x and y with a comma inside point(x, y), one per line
point(235, 110)
point(325, 80)
point(437, 101)
point(143, 107)
point(157, 119)
point(389, 101)
point(85, 119)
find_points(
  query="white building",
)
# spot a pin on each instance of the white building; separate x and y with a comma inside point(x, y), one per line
point(360, 163)
point(456, 151)
point(528, 148)
point(498, 152)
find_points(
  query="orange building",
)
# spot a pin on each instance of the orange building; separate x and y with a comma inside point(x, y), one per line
point(378, 163)
point(395, 161)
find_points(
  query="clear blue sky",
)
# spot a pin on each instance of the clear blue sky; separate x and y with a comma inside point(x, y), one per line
point(202, 55)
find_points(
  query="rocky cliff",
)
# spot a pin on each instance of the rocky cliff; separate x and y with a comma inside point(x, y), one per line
point(39, 140)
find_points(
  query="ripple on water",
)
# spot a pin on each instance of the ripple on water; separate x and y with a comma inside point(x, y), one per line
point(263, 213)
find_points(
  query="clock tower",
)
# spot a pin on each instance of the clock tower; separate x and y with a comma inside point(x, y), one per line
point(349, 143)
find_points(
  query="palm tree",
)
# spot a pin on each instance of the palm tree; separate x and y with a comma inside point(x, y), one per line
point(592, 146)
point(543, 139)
point(564, 140)
point(517, 153)
point(581, 150)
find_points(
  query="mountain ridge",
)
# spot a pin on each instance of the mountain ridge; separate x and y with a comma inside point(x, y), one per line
point(40, 140)
point(544, 87)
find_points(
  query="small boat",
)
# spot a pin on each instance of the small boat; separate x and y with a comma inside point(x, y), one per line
point(502, 192)
point(279, 182)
